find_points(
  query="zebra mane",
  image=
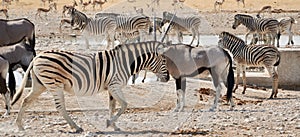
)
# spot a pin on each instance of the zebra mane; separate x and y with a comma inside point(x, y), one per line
point(231, 37)
point(242, 15)
point(154, 44)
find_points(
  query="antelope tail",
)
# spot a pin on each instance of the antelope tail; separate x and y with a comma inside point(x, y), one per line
point(230, 77)
point(22, 86)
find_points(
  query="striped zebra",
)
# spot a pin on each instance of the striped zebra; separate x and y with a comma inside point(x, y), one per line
point(262, 26)
point(285, 25)
point(180, 24)
point(132, 23)
point(101, 26)
point(78, 19)
point(87, 74)
point(252, 55)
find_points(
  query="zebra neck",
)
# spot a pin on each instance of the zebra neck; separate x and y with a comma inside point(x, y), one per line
point(134, 57)
point(237, 49)
point(249, 23)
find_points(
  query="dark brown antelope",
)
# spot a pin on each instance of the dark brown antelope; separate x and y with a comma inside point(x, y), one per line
point(39, 10)
point(5, 12)
point(100, 3)
point(263, 9)
point(242, 1)
point(85, 4)
point(67, 7)
point(44, 1)
point(218, 3)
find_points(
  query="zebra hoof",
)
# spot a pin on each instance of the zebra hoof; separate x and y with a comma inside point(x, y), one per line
point(79, 130)
point(107, 123)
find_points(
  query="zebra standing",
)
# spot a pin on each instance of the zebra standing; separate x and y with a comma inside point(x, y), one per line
point(253, 55)
point(132, 24)
point(285, 25)
point(101, 26)
point(191, 23)
point(267, 26)
point(87, 74)
point(79, 20)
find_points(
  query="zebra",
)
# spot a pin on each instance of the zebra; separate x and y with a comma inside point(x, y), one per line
point(256, 25)
point(253, 55)
point(78, 19)
point(191, 23)
point(101, 26)
point(285, 25)
point(132, 25)
point(85, 74)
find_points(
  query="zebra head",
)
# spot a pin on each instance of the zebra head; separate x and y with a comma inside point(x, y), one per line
point(159, 65)
point(240, 19)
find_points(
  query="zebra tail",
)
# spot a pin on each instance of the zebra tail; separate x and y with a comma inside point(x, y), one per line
point(278, 60)
point(230, 78)
point(22, 86)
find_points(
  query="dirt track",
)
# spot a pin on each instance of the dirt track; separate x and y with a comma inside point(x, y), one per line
point(151, 104)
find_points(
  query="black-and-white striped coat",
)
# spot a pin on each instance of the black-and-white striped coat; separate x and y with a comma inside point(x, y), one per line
point(79, 20)
point(252, 55)
point(87, 74)
point(190, 23)
point(262, 26)
point(104, 26)
point(285, 25)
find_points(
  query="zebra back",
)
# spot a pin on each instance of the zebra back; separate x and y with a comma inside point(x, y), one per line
point(182, 23)
point(99, 26)
point(256, 24)
point(132, 23)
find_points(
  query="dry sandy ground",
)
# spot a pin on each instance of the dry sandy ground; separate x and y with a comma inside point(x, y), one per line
point(151, 104)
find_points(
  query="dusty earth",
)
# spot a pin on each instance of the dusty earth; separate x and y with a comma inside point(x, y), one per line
point(151, 104)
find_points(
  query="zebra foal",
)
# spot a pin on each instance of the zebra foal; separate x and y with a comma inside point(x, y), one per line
point(252, 55)
point(262, 26)
point(87, 74)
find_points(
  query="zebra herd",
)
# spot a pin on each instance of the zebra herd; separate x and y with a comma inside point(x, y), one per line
point(59, 71)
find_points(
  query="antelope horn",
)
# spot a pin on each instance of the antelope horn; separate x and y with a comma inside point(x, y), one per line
point(165, 33)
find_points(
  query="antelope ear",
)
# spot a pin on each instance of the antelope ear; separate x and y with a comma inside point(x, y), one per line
point(161, 49)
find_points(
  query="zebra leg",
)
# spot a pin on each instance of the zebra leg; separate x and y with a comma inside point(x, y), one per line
point(237, 77)
point(194, 35)
point(244, 78)
point(7, 103)
point(112, 105)
point(36, 90)
point(145, 75)
point(274, 74)
point(59, 100)
point(117, 94)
